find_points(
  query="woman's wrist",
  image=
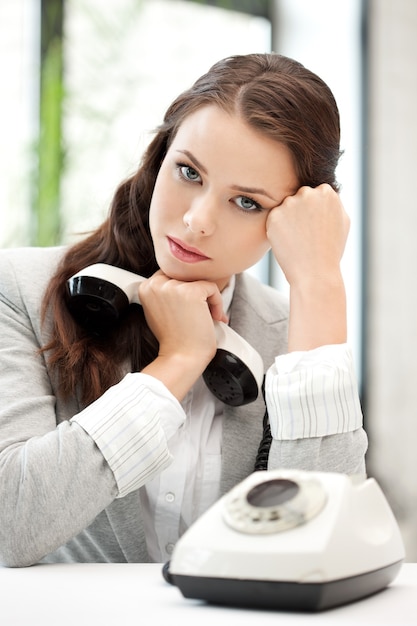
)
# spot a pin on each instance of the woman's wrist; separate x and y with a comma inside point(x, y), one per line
point(317, 313)
point(178, 372)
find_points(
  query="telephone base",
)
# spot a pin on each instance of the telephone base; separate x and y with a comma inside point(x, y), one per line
point(286, 596)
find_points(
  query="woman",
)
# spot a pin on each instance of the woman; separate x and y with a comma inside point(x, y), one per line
point(111, 445)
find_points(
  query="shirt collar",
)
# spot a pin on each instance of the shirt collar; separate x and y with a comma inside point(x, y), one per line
point(227, 294)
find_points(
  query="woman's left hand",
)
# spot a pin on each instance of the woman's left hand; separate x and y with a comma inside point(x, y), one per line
point(308, 234)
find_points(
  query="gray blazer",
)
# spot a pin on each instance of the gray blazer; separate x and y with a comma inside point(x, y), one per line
point(57, 494)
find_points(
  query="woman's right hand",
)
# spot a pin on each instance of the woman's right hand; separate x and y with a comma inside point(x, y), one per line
point(181, 314)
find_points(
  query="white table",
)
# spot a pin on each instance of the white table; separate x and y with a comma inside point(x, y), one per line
point(137, 594)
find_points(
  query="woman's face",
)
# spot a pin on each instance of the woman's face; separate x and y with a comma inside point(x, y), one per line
point(216, 186)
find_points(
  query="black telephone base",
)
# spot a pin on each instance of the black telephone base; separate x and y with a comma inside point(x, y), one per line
point(287, 596)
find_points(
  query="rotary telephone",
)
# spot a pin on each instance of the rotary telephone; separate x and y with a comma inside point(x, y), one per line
point(97, 297)
point(290, 540)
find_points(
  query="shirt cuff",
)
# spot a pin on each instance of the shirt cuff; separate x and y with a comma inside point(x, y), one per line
point(313, 393)
point(131, 423)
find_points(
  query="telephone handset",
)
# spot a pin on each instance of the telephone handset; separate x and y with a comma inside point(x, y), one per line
point(99, 294)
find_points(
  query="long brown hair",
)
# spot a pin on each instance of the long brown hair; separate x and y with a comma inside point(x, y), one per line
point(275, 95)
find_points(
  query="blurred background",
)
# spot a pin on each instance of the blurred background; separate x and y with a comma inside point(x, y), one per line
point(85, 83)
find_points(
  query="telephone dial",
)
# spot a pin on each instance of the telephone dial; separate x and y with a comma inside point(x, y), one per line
point(98, 296)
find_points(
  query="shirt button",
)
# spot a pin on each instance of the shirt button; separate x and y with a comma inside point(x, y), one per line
point(170, 497)
point(169, 548)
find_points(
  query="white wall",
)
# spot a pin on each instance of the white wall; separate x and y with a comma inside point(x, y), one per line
point(391, 299)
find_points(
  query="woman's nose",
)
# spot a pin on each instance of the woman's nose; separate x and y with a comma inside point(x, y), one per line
point(200, 216)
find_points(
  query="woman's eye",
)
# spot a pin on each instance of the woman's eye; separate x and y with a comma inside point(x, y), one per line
point(189, 173)
point(247, 204)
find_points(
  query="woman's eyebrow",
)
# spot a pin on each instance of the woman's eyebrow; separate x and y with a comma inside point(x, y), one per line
point(194, 160)
point(253, 190)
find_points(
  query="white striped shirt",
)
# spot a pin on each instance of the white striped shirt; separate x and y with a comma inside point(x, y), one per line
point(131, 423)
point(173, 450)
point(313, 394)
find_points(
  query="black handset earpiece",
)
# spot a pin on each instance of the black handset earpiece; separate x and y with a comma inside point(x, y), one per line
point(99, 295)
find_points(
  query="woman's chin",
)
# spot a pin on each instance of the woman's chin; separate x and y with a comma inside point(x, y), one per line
point(185, 274)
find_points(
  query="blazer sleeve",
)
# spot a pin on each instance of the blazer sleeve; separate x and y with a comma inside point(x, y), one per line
point(54, 475)
point(314, 412)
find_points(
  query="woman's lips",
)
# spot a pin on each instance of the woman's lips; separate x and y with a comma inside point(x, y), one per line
point(185, 253)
